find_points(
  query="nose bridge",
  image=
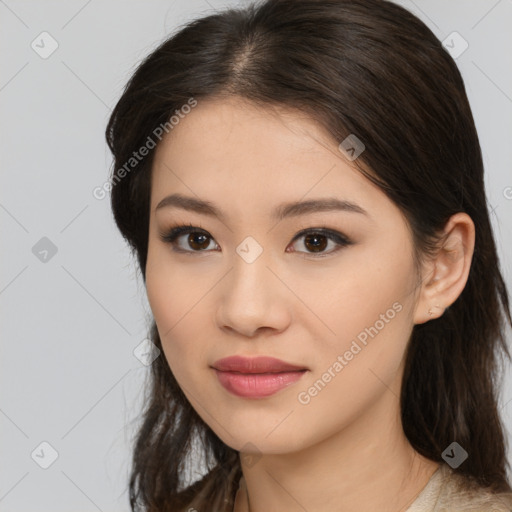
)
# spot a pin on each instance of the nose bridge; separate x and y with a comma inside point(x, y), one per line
point(250, 295)
point(250, 275)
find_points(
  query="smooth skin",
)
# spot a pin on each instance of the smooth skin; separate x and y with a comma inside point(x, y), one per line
point(345, 450)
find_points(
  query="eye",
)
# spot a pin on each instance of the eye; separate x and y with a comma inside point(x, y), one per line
point(315, 240)
point(197, 238)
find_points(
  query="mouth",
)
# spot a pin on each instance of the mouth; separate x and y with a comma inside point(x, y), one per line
point(256, 377)
point(257, 385)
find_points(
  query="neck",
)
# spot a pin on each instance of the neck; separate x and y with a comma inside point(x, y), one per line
point(369, 465)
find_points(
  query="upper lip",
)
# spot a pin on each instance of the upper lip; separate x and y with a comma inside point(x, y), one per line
point(261, 364)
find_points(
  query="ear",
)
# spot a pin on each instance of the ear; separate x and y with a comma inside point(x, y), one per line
point(445, 276)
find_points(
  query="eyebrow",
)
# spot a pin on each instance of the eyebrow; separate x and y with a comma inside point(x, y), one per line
point(281, 212)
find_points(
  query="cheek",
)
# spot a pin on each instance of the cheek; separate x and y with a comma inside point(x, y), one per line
point(179, 306)
point(171, 303)
point(362, 361)
point(369, 310)
point(166, 289)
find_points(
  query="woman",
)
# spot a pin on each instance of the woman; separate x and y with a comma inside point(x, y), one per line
point(302, 185)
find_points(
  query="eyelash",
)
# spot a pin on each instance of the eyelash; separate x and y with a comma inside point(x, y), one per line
point(175, 232)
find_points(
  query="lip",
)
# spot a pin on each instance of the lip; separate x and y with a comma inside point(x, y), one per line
point(256, 377)
point(260, 364)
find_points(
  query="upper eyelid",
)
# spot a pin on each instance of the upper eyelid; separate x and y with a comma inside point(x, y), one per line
point(187, 228)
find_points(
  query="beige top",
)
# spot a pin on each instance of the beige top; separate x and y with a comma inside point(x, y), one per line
point(446, 491)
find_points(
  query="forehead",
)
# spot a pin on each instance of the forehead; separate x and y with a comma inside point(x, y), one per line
point(249, 158)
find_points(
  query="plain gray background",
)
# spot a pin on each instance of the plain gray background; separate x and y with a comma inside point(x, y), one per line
point(71, 323)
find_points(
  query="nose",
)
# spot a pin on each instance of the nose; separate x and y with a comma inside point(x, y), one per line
point(252, 298)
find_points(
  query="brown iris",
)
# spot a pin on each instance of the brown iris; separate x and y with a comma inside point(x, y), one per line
point(202, 244)
point(318, 241)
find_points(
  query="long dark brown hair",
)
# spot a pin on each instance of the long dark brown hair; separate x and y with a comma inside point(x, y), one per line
point(364, 67)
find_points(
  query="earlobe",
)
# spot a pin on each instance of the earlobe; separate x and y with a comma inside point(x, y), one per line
point(432, 310)
point(448, 272)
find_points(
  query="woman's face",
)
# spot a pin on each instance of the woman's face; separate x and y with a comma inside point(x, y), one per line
point(245, 284)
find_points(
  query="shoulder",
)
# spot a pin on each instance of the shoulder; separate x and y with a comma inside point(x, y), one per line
point(448, 491)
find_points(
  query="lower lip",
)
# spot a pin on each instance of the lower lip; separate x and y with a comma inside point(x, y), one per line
point(257, 385)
